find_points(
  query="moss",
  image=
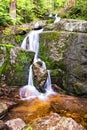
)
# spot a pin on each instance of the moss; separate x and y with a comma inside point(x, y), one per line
point(5, 68)
point(49, 21)
point(9, 46)
point(21, 67)
point(7, 31)
point(19, 38)
point(16, 73)
point(50, 36)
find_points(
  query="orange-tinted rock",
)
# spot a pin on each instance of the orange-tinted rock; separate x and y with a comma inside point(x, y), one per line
point(64, 105)
point(56, 122)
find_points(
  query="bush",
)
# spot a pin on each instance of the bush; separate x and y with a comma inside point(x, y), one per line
point(79, 11)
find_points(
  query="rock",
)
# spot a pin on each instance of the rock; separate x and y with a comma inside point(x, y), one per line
point(70, 104)
point(14, 35)
point(38, 25)
point(76, 67)
point(39, 76)
point(14, 62)
point(3, 109)
point(3, 126)
point(71, 25)
point(65, 105)
point(56, 122)
point(4, 91)
point(65, 54)
point(15, 124)
point(57, 88)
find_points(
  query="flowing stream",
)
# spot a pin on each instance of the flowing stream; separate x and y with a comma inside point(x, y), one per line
point(31, 43)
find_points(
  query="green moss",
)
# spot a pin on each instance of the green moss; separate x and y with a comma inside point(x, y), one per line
point(5, 68)
point(17, 72)
point(50, 21)
point(50, 36)
point(7, 31)
point(7, 45)
point(78, 87)
point(19, 38)
point(21, 67)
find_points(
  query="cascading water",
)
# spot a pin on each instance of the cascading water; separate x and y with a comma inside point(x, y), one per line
point(29, 91)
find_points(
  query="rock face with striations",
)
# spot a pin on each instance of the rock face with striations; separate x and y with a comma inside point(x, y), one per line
point(65, 54)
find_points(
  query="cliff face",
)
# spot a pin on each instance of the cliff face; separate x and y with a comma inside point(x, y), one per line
point(63, 46)
point(65, 52)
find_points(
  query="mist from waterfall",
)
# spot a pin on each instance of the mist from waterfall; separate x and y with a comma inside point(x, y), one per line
point(29, 91)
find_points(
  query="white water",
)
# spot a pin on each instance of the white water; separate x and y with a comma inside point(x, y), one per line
point(29, 91)
point(57, 19)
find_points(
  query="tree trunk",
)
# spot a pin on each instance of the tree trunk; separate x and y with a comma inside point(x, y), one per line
point(12, 10)
point(71, 3)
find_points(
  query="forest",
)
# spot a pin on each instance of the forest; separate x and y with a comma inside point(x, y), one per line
point(24, 11)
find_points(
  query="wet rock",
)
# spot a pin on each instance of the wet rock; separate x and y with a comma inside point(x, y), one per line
point(3, 126)
point(14, 62)
point(65, 105)
point(15, 124)
point(65, 54)
point(57, 88)
point(3, 109)
point(56, 122)
point(4, 91)
point(39, 76)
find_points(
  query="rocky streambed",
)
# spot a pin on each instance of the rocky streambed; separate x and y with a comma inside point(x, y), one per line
point(63, 47)
point(58, 112)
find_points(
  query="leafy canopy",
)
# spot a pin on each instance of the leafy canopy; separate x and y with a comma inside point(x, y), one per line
point(29, 10)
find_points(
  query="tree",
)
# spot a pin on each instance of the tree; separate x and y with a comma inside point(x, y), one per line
point(71, 3)
point(12, 10)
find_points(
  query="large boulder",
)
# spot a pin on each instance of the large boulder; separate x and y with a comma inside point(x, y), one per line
point(55, 122)
point(71, 25)
point(15, 124)
point(39, 76)
point(65, 54)
point(14, 65)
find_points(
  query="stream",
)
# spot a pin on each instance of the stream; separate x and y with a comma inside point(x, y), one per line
point(31, 103)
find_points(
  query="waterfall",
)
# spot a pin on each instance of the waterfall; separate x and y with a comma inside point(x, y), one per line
point(29, 91)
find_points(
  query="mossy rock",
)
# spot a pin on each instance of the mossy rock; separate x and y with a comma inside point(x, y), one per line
point(14, 65)
point(65, 54)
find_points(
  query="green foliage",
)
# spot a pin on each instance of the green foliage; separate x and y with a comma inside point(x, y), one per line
point(25, 10)
point(30, 10)
point(5, 19)
point(79, 11)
